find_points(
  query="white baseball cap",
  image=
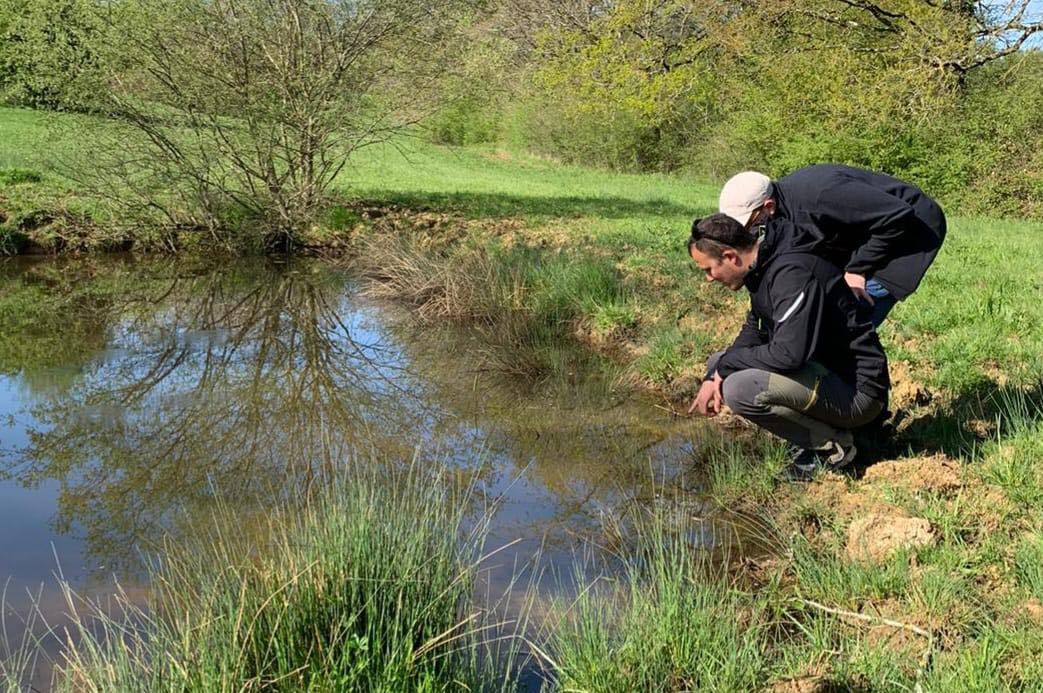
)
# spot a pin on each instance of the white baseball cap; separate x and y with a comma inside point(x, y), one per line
point(743, 194)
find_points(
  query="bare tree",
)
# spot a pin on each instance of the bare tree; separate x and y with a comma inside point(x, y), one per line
point(239, 114)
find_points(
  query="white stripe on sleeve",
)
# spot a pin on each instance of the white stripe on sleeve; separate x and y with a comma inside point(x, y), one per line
point(792, 308)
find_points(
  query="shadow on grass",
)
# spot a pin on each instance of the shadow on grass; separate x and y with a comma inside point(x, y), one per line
point(479, 205)
point(986, 411)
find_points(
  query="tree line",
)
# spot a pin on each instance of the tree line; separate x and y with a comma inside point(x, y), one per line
point(948, 93)
point(235, 111)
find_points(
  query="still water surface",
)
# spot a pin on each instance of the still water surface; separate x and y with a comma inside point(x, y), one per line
point(134, 392)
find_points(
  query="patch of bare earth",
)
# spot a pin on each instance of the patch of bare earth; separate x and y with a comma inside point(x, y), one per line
point(813, 680)
point(434, 229)
point(876, 537)
point(866, 506)
point(834, 494)
point(936, 474)
point(1033, 610)
point(907, 391)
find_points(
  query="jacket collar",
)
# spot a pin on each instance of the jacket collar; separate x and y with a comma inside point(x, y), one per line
point(769, 235)
point(781, 206)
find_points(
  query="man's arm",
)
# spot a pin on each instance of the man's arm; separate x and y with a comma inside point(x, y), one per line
point(797, 310)
point(708, 400)
point(750, 335)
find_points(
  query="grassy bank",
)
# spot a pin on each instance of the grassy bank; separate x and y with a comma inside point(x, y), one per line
point(916, 571)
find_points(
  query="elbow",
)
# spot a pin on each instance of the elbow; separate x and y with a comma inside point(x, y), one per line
point(786, 360)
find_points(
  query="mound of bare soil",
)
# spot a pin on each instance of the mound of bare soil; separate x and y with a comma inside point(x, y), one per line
point(813, 681)
point(937, 474)
point(834, 494)
point(875, 537)
point(906, 391)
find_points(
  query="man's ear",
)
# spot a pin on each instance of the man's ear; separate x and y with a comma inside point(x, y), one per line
point(731, 255)
point(769, 206)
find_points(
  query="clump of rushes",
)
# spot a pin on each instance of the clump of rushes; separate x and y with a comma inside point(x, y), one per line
point(479, 284)
point(528, 303)
point(667, 619)
point(367, 587)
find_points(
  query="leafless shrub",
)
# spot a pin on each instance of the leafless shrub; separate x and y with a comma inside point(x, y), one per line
point(234, 117)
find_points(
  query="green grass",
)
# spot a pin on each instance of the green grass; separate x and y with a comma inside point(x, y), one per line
point(24, 136)
point(488, 182)
point(972, 319)
point(666, 619)
point(367, 586)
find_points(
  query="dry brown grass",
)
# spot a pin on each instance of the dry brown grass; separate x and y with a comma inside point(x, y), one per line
point(463, 285)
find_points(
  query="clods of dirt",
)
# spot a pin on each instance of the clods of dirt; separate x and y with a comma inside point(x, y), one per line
point(875, 537)
point(1033, 609)
point(833, 493)
point(802, 684)
point(937, 474)
point(812, 680)
point(907, 391)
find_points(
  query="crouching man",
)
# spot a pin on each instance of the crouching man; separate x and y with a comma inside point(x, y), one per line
point(806, 366)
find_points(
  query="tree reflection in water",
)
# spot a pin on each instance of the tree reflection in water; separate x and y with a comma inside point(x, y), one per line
point(241, 382)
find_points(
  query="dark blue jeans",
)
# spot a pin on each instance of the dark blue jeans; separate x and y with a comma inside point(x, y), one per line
point(883, 301)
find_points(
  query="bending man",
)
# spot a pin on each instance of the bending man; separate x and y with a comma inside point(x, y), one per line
point(805, 365)
point(883, 232)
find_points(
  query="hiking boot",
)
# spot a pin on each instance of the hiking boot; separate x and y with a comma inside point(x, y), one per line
point(802, 464)
point(878, 436)
point(837, 456)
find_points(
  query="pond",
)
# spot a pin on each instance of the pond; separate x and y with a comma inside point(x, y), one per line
point(135, 394)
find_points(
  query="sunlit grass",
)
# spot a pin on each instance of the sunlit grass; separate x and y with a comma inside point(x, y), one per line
point(366, 586)
point(664, 617)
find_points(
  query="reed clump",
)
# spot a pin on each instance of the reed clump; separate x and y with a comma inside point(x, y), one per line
point(367, 586)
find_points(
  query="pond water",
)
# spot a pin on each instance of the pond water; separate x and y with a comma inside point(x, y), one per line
point(133, 393)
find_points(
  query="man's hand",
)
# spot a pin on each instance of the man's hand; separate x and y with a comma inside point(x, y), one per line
point(858, 286)
point(708, 401)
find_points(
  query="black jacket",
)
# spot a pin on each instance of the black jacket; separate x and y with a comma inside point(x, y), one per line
point(801, 310)
point(872, 224)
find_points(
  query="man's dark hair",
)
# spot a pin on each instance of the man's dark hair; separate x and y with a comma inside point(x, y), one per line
point(713, 234)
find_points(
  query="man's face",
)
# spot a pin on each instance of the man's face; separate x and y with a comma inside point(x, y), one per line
point(729, 269)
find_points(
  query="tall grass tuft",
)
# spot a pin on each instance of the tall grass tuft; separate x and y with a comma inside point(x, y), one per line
point(1012, 460)
point(527, 305)
point(365, 587)
point(666, 620)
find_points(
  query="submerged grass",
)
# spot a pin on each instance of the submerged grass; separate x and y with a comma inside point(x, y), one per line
point(367, 586)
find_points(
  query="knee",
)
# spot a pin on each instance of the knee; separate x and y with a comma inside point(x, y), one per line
point(740, 390)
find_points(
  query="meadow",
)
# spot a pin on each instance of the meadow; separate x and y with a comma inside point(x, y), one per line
point(530, 250)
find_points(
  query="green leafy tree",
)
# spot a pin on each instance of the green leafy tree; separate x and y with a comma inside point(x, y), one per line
point(49, 53)
point(644, 70)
